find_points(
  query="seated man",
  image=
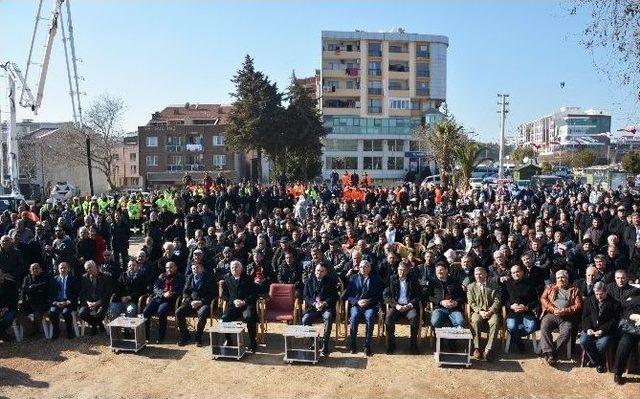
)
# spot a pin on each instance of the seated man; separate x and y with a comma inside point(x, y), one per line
point(167, 288)
point(199, 291)
point(320, 296)
point(240, 293)
point(64, 301)
point(131, 285)
point(599, 320)
point(447, 297)
point(585, 285)
point(628, 342)
point(8, 304)
point(35, 294)
point(403, 296)
point(363, 294)
point(485, 307)
point(95, 291)
point(560, 303)
point(522, 305)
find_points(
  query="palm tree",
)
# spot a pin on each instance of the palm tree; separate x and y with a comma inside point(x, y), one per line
point(441, 141)
point(467, 154)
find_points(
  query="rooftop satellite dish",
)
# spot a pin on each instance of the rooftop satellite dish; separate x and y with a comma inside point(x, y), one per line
point(525, 160)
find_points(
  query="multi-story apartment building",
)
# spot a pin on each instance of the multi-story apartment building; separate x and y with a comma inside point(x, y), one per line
point(568, 127)
point(376, 89)
point(186, 139)
point(126, 170)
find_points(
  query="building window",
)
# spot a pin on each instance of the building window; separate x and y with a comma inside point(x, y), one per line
point(151, 160)
point(341, 162)
point(395, 163)
point(152, 141)
point(375, 49)
point(414, 145)
point(399, 103)
point(372, 163)
point(218, 140)
point(422, 51)
point(175, 162)
point(219, 160)
point(375, 106)
point(116, 157)
point(372, 145)
point(422, 70)
point(340, 145)
point(133, 156)
point(395, 145)
point(133, 169)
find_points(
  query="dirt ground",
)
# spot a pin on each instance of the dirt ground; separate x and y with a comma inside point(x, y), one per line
point(86, 368)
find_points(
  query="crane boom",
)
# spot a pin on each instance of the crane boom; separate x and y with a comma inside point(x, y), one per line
point(53, 28)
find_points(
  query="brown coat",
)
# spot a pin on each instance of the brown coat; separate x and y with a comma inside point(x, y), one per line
point(549, 295)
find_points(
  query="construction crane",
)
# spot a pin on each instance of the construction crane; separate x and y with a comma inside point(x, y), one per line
point(27, 99)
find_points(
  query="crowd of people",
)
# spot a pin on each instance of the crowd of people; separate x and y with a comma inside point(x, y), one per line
point(512, 261)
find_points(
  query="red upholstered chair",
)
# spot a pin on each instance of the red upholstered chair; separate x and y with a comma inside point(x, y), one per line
point(279, 306)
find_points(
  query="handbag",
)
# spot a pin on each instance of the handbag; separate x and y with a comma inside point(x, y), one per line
point(629, 327)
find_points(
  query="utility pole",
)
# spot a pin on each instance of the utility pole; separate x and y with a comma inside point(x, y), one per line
point(502, 102)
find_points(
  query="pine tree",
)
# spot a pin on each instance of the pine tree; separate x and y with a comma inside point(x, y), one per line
point(302, 135)
point(256, 117)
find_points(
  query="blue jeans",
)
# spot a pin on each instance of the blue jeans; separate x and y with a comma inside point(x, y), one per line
point(161, 308)
point(440, 315)
point(595, 347)
point(355, 314)
point(521, 325)
point(7, 319)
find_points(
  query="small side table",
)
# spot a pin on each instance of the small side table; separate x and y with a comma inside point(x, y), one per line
point(453, 358)
point(218, 332)
point(296, 351)
point(127, 334)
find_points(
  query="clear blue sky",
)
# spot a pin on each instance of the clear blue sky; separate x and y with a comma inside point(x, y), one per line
point(157, 53)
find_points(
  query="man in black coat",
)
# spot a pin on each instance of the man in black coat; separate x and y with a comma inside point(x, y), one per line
point(585, 285)
point(403, 296)
point(63, 300)
point(599, 321)
point(320, 296)
point(240, 294)
point(120, 240)
point(35, 293)
point(199, 291)
point(95, 291)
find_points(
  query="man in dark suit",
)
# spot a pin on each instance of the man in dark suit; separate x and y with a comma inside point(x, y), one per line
point(64, 300)
point(240, 293)
point(403, 296)
point(320, 296)
point(631, 234)
point(199, 291)
point(95, 291)
point(585, 285)
point(363, 294)
point(599, 320)
point(167, 288)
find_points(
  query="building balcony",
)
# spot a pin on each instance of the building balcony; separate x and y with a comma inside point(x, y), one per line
point(333, 73)
point(340, 111)
point(398, 92)
point(374, 53)
point(398, 56)
point(375, 110)
point(400, 75)
point(340, 92)
point(340, 55)
point(375, 72)
point(375, 91)
point(399, 112)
